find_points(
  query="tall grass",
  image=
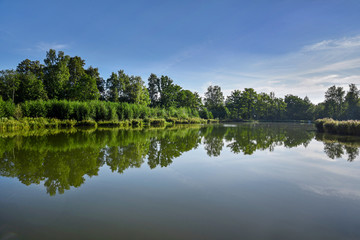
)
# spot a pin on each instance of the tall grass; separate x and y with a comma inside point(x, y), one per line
point(63, 113)
point(328, 125)
point(95, 110)
point(34, 123)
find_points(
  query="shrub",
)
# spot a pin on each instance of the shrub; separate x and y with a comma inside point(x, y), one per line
point(111, 111)
point(18, 112)
point(100, 111)
point(7, 108)
point(350, 127)
point(60, 109)
point(86, 123)
point(127, 111)
point(143, 111)
point(34, 109)
point(82, 111)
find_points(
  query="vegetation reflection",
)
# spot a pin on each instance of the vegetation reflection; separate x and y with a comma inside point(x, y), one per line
point(337, 146)
point(63, 159)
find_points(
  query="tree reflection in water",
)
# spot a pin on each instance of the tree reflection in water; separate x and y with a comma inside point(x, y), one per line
point(337, 146)
point(61, 159)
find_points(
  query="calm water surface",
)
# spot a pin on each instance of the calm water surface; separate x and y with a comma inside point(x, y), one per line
point(231, 181)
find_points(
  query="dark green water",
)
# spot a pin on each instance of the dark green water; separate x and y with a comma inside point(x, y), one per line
point(232, 181)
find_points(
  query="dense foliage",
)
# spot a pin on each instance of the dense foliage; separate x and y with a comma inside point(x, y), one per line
point(63, 88)
point(91, 110)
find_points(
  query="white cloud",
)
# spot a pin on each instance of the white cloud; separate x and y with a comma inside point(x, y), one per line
point(306, 72)
point(340, 192)
point(43, 46)
point(344, 43)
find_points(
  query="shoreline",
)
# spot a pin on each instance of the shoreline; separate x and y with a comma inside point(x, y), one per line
point(10, 125)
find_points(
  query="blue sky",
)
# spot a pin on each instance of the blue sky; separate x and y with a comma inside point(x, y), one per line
point(297, 47)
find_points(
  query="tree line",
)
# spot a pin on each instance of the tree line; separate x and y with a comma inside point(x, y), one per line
point(250, 105)
point(62, 77)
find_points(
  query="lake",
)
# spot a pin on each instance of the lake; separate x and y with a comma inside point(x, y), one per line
point(226, 181)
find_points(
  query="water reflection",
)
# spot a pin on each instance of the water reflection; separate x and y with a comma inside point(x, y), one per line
point(337, 146)
point(61, 160)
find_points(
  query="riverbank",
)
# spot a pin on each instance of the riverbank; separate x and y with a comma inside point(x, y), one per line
point(253, 120)
point(7, 125)
point(328, 125)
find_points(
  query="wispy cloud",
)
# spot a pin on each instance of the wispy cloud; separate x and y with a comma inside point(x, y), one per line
point(43, 46)
point(344, 43)
point(306, 72)
point(340, 192)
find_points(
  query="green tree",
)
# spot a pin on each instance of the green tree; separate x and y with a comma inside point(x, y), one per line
point(214, 102)
point(56, 74)
point(334, 101)
point(31, 88)
point(117, 85)
point(9, 84)
point(352, 101)
point(124, 88)
point(248, 99)
point(76, 71)
point(234, 104)
point(136, 91)
point(154, 90)
point(100, 82)
point(113, 85)
point(186, 98)
point(86, 89)
point(297, 108)
point(168, 92)
point(31, 85)
point(214, 97)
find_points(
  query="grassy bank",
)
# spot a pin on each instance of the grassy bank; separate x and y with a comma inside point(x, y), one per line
point(256, 120)
point(8, 125)
point(328, 125)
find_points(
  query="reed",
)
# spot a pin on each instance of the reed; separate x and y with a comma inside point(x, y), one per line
point(328, 125)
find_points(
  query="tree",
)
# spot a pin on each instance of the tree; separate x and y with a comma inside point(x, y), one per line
point(280, 108)
point(249, 97)
point(214, 102)
point(297, 108)
point(334, 101)
point(186, 98)
point(234, 104)
point(76, 71)
point(86, 89)
point(214, 97)
point(31, 85)
point(113, 85)
point(56, 74)
point(9, 84)
point(100, 82)
point(122, 88)
point(352, 101)
point(136, 91)
point(30, 88)
point(28, 66)
point(154, 89)
point(168, 92)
